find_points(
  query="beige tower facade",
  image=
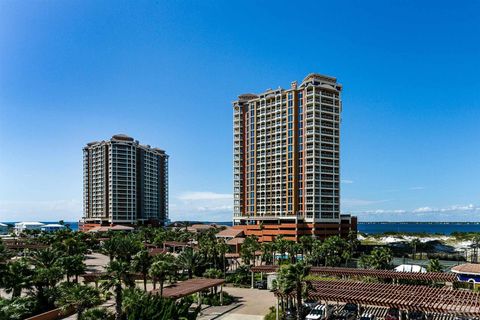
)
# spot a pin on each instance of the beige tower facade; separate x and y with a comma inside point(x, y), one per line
point(287, 161)
point(124, 182)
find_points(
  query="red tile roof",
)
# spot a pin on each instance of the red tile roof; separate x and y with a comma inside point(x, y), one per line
point(469, 268)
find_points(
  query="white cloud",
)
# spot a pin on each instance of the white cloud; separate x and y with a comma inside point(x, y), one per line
point(349, 202)
point(202, 206)
point(423, 209)
point(417, 188)
point(347, 181)
point(203, 195)
point(454, 208)
point(53, 210)
point(452, 213)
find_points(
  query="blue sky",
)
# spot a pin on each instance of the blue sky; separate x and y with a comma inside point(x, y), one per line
point(165, 72)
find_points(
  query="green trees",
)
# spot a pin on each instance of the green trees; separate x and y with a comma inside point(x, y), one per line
point(434, 266)
point(118, 272)
point(291, 278)
point(141, 305)
point(213, 273)
point(79, 297)
point(17, 275)
point(379, 258)
point(141, 263)
point(281, 246)
point(161, 269)
point(248, 248)
point(335, 250)
point(47, 272)
point(189, 260)
point(475, 246)
point(415, 244)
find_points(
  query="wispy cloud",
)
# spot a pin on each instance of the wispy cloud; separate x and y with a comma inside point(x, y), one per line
point(346, 181)
point(417, 188)
point(454, 208)
point(349, 202)
point(201, 206)
point(203, 195)
point(52, 210)
point(467, 212)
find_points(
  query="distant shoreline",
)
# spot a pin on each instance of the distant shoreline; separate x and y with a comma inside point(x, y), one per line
point(418, 222)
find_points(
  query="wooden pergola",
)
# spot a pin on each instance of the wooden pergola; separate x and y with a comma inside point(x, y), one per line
point(188, 287)
point(379, 274)
point(404, 297)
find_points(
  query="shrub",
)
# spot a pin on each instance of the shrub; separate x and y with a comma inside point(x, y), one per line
point(97, 314)
point(214, 299)
point(271, 315)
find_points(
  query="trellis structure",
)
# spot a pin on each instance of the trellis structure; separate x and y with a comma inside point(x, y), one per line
point(379, 274)
point(405, 297)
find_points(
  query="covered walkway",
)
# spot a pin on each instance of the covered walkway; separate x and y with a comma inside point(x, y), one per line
point(404, 297)
point(379, 274)
point(188, 287)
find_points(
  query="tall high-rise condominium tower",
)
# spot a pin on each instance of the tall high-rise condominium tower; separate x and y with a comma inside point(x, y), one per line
point(124, 182)
point(287, 161)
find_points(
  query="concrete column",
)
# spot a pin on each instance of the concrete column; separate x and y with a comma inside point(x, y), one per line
point(252, 278)
point(221, 295)
point(276, 310)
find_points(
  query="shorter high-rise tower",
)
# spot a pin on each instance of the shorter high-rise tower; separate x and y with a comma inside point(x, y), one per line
point(124, 182)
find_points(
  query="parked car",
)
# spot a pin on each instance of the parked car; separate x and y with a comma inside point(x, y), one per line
point(348, 312)
point(416, 315)
point(261, 284)
point(310, 303)
point(393, 314)
point(367, 316)
point(317, 313)
point(290, 314)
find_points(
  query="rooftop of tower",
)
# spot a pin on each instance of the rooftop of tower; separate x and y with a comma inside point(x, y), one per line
point(326, 82)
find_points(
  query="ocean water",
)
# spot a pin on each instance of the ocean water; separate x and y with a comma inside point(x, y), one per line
point(381, 227)
point(414, 227)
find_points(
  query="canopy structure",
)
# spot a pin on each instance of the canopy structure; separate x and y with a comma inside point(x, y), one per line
point(404, 297)
point(188, 287)
point(379, 274)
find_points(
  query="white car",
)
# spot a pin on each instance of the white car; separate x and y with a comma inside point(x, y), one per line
point(367, 316)
point(317, 313)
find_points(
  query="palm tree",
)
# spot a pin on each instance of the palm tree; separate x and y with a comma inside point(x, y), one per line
point(434, 266)
point(248, 248)
point(475, 245)
point(109, 247)
point(161, 269)
point(118, 272)
point(281, 245)
point(379, 258)
point(333, 250)
point(17, 276)
point(189, 260)
point(127, 246)
point(222, 249)
point(80, 297)
point(73, 265)
point(291, 278)
point(316, 254)
point(47, 272)
point(141, 263)
point(352, 243)
point(306, 243)
point(267, 252)
point(415, 243)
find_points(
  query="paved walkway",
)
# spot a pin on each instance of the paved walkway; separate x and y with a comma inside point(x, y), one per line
point(252, 304)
